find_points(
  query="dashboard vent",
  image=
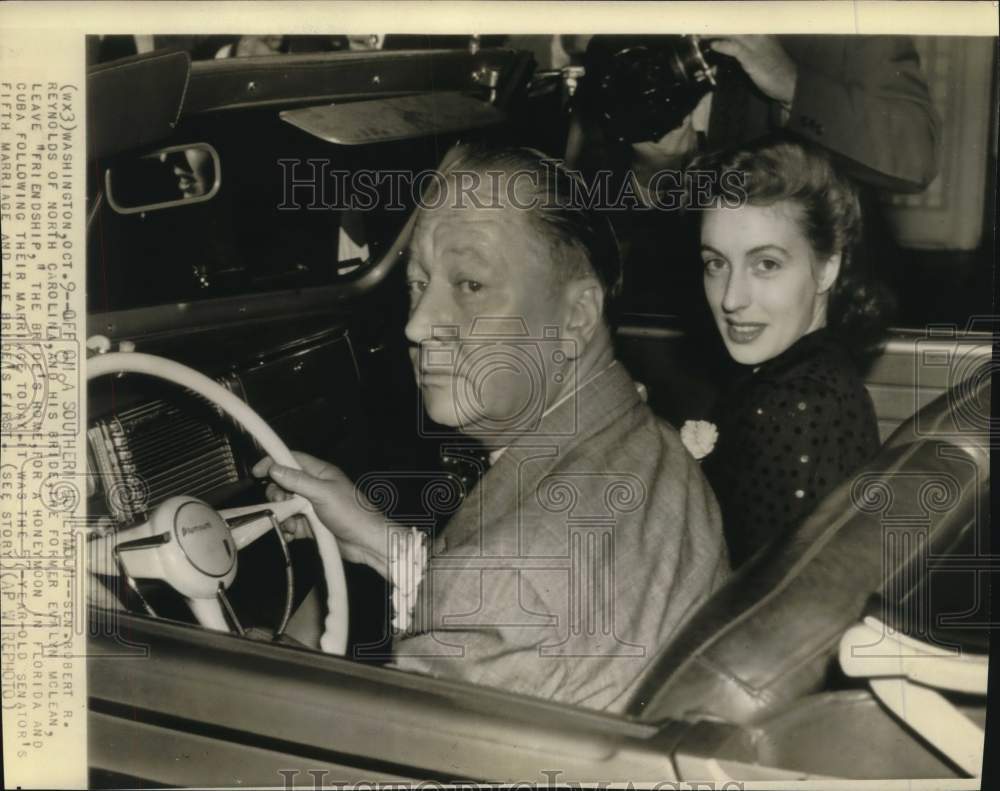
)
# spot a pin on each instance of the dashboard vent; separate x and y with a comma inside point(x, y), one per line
point(150, 452)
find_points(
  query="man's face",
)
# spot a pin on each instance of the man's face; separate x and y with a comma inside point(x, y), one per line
point(194, 170)
point(486, 312)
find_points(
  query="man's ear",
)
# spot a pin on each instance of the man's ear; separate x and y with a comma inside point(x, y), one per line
point(827, 273)
point(585, 303)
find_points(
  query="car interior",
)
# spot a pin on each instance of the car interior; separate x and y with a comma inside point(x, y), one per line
point(792, 670)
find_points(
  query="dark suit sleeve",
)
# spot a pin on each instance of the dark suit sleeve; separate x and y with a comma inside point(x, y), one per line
point(873, 108)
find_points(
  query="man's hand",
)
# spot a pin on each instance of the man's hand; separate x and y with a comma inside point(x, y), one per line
point(361, 533)
point(765, 62)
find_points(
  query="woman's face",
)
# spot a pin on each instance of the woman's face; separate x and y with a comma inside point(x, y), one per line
point(763, 281)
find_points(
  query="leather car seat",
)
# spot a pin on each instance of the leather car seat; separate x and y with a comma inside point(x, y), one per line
point(771, 634)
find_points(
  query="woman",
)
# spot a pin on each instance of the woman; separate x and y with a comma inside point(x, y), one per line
point(782, 282)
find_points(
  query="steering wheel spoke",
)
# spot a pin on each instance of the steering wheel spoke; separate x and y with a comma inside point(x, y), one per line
point(210, 614)
point(249, 522)
point(132, 551)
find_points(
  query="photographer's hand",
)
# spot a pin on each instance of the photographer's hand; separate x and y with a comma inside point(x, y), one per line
point(670, 152)
point(361, 532)
point(765, 62)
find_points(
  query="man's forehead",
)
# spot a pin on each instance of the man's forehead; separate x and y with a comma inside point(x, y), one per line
point(449, 228)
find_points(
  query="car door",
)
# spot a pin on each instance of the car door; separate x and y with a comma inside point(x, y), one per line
point(177, 705)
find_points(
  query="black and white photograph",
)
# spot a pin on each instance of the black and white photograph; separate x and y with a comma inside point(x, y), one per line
point(475, 407)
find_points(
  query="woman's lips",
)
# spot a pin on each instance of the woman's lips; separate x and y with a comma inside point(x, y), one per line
point(744, 332)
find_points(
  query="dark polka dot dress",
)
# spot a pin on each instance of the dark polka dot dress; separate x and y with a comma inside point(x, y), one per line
point(789, 433)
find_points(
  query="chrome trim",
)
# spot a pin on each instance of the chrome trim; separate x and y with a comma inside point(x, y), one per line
point(979, 344)
point(228, 611)
point(130, 581)
point(141, 322)
point(119, 209)
point(898, 340)
point(638, 331)
point(243, 519)
point(289, 577)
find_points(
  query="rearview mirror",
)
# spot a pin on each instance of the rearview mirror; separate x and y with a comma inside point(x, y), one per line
point(171, 176)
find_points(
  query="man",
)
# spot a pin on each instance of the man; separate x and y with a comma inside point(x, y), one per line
point(592, 536)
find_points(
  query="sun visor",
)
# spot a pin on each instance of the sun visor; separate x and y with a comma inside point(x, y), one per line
point(399, 118)
point(136, 101)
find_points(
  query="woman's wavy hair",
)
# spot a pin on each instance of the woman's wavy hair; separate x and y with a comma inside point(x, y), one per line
point(772, 171)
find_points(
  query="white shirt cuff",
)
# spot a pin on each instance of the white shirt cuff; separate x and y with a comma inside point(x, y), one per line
point(407, 563)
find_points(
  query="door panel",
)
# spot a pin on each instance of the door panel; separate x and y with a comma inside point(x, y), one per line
point(257, 708)
point(912, 370)
point(187, 759)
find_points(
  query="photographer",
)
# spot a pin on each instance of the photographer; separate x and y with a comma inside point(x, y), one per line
point(863, 98)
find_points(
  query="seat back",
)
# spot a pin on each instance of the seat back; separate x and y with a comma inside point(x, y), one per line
point(770, 634)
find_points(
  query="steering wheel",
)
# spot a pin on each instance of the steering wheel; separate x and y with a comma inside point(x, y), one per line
point(191, 546)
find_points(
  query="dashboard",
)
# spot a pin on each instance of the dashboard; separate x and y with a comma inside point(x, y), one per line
point(148, 440)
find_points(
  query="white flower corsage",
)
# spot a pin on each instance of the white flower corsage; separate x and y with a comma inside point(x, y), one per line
point(699, 437)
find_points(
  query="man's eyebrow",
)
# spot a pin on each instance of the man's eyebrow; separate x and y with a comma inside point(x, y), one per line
point(752, 251)
point(467, 250)
point(413, 262)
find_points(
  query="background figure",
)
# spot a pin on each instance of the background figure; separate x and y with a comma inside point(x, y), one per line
point(863, 98)
point(782, 281)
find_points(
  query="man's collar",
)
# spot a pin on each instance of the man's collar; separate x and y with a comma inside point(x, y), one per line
point(496, 453)
point(590, 407)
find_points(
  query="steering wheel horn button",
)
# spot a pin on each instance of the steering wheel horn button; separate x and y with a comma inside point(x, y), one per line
point(204, 538)
point(202, 553)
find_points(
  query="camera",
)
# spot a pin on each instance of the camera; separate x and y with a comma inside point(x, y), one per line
point(640, 88)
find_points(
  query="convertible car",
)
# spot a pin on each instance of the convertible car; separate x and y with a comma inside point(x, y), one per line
point(229, 265)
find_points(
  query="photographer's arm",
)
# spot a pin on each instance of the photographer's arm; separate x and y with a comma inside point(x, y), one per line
point(862, 97)
point(878, 112)
point(766, 63)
